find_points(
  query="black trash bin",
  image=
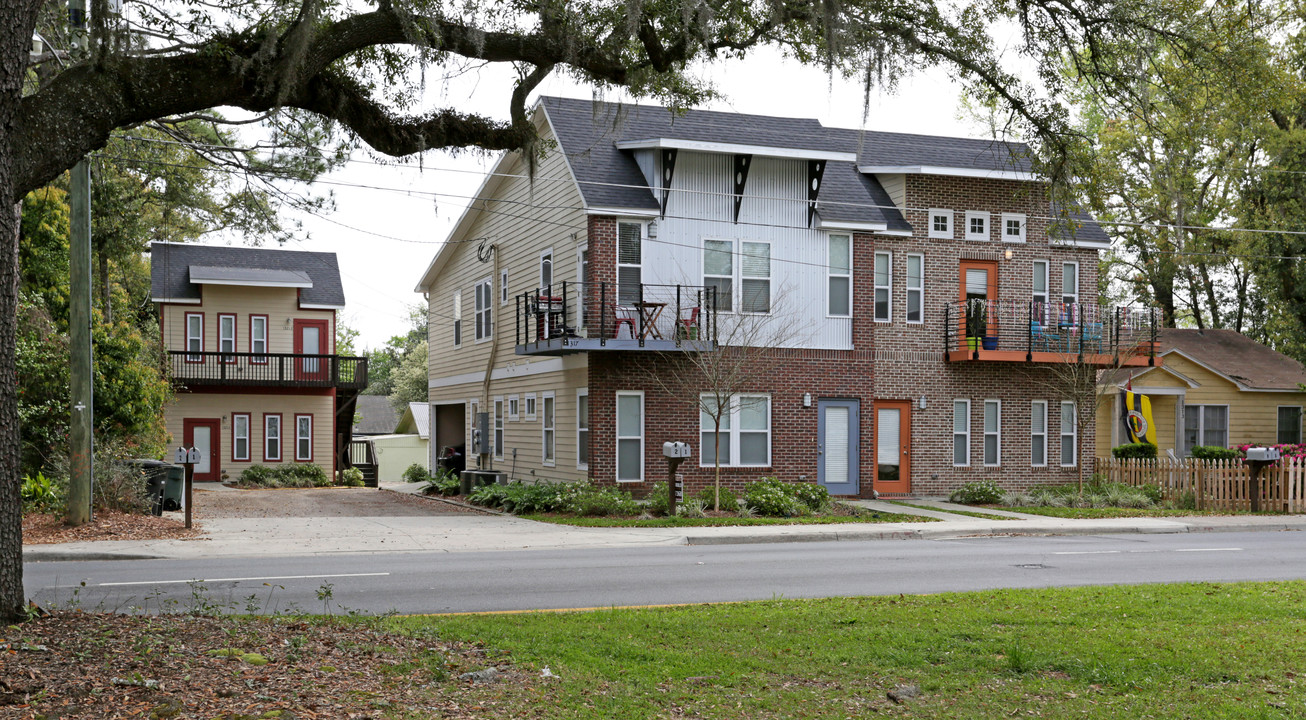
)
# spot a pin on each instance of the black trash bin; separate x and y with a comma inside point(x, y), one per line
point(155, 473)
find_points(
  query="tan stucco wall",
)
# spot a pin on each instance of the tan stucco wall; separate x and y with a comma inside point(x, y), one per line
point(220, 406)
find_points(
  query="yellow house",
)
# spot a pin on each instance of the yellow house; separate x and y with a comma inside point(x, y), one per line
point(1216, 387)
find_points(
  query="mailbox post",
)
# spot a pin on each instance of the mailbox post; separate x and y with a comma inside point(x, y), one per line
point(675, 453)
point(188, 457)
point(1257, 459)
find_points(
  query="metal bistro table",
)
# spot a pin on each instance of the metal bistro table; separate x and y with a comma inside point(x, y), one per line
point(649, 312)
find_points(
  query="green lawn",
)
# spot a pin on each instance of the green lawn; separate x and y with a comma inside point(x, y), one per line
point(864, 516)
point(1154, 651)
point(967, 513)
point(1113, 512)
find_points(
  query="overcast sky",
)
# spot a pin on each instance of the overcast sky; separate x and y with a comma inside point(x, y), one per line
point(386, 234)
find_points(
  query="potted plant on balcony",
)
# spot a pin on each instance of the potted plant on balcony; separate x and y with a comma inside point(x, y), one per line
point(977, 323)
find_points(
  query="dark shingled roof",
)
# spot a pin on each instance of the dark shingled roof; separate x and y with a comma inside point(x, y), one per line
point(588, 132)
point(1235, 355)
point(376, 416)
point(170, 269)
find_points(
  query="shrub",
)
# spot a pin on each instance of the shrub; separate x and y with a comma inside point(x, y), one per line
point(692, 508)
point(351, 477)
point(729, 500)
point(656, 501)
point(1140, 451)
point(41, 494)
point(443, 482)
point(589, 500)
point(977, 492)
point(119, 486)
point(284, 476)
point(1096, 494)
point(1214, 452)
point(416, 473)
point(771, 496)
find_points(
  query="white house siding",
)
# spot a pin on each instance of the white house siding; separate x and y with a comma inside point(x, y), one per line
point(774, 210)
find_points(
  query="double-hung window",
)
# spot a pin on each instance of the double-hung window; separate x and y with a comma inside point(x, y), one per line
point(1069, 434)
point(582, 429)
point(498, 428)
point(1289, 424)
point(227, 336)
point(272, 437)
point(630, 261)
point(514, 408)
point(1070, 293)
point(1040, 285)
point(1205, 425)
point(961, 433)
point(457, 318)
point(630, 436)
point(755, 277)
point(240, 437)
point(484, 310)
point(840, 284)
point(992, 433)
point(883, 286)
point(546, 271)
point(745, 434)
point(530, 407)
point(195, 336)
point(915, 288)
point(258, 338)
point(549, 405)
point(719, 272)
point(303, 438)
point(1038, 433)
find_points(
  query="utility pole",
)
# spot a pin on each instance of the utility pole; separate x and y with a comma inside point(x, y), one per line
point(80, 436)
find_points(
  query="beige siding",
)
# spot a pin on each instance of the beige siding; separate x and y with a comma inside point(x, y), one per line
point(1253, 416)
point(511, 223)
point(220, 406)
point(394, 453)
point(525, 435)
point(281, 305)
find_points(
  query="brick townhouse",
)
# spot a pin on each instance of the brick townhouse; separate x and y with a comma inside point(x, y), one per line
point(889, 308)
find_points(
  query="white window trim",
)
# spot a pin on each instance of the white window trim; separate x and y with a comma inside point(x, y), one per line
point(497, 425)
point(1041, 436)
point(1024, 225)
point(643, 236)
point(582, 393)
point(1276, 422)
point(1073, 435)
point(1063, 295)
point(514, 408)
point(995, 433)
point(918, 290)
point(876, 287)
point(298, 437)
point(988, 228)
point(547, 254)
point(830, 273)
point(548, 425)
point(733, 432)
point(235, 437)
point(530, 409)
point(1201, 424)
point(734, 270)
point(269, 436)
point(770, 277)
point(619, 437)
point(504, 297)
point(1047, 280)
point(488, 310)
point(582, 259)
point(940, 234)
point(458, 318)
point(221, 339)
point(254, 338)
point(956, 433)
point(200, 338)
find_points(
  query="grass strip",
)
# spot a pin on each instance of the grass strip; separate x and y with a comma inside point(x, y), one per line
point(967, 513)
point(868, 516)
point(1158, 651)
point(1115, 512)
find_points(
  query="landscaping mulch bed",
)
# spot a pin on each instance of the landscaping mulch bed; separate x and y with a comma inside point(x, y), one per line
point(90, 665)
point(42, 529)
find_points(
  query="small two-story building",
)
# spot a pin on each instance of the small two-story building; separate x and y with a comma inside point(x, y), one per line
point(249, 340)
point(896, 303)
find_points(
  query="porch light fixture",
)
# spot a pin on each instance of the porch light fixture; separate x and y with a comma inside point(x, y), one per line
point(652, 228)
point(922, 402)
point(1008, 254)
point(807, 399)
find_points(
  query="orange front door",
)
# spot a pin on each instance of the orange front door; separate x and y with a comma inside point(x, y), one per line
point(979, 287)
point(893, 446)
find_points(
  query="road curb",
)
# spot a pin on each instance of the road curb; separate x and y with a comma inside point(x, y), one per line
point(85, 556)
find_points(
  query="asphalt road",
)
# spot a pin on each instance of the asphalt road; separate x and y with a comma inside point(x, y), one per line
point(527, 580)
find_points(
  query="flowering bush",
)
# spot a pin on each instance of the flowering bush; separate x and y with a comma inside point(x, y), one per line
point(1293, 450)
point(977, 492)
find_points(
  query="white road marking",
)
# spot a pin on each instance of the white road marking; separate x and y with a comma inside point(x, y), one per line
point(1209, 550)
point(243, 579)
point(1141, 552)
point(1088, 552)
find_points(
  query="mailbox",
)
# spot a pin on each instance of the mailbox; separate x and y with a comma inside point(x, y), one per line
point(1262, 454)
point(194, 456)
point(675, 449)
point(180, 457)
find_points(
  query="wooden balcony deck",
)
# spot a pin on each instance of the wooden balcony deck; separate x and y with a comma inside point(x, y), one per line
point(285, 370)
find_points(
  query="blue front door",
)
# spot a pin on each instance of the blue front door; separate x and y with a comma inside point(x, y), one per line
point(837, 445)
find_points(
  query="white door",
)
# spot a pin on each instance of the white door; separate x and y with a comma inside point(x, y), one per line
point(202, 439)
point(312, 345)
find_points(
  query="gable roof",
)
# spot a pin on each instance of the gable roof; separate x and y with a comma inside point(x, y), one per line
point(177, 270)
point(416, 418)
point(376, 416)
point(1243, 361)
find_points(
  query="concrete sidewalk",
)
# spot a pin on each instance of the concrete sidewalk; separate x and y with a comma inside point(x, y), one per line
point(480, 532)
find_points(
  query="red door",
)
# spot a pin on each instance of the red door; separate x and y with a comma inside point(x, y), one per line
point(206, 435)
point(311, 338)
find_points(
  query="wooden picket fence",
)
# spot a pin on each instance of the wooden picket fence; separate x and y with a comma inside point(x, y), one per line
point(1215, 484)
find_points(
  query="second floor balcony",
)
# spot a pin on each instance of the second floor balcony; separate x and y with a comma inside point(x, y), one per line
point(1051, 332)
point(571, 317)
point(284, 370)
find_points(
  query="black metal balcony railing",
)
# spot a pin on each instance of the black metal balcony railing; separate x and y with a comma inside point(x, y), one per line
point(268, 370)
point(979, 327)
point(598, 313)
